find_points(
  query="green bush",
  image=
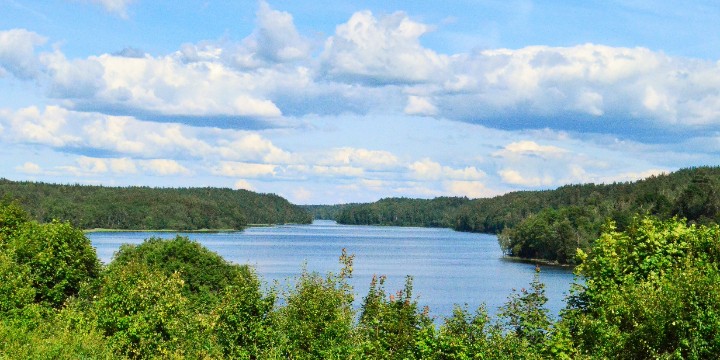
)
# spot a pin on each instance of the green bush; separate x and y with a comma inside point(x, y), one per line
point(205, 274)
point(390, 325)
point(242, 323)
point(652, 291)
point(317, 319)
point(59, 257)
point(143, 311)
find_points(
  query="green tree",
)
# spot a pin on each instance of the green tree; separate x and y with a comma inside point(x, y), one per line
point(650, 291)
point(525, 313)
point(389, 326)
point(242, 321)
point(143, 312)
point(317, 319)
point(205, 274)
point(59, 258)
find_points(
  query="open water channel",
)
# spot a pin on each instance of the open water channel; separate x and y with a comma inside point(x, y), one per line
point(447, 267)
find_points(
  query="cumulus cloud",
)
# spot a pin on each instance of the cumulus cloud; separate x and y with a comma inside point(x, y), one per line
point(515, 177)
point(527, 147)
point(17, 53)
point(79, 78)
point(368, 159)
point(244, 170)
point(417, 105)
point(166, 86)
point(381, 51)
point(29, 168)
point(122, 166)
point(61, 128)
point(243, 185)
point(471, 189)
point(92, 165)
point(427, 169)
point(164, 167)
point(274, 41)
point(582, 87)
point(253, 147)
point(276, 38)
point(337, 171)
point(29, 125)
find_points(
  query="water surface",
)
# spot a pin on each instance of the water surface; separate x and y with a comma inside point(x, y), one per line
point(448, 267)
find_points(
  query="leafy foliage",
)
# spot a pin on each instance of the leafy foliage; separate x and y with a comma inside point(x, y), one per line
point(55, 259)
point(650, 290)
point(204, 273)
point(318, 316)
point(390, 326)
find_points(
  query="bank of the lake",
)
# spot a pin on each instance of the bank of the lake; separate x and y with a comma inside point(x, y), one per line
point(448, 267)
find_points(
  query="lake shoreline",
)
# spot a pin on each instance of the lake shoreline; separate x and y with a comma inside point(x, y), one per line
point(544, 262)
point(198, 231)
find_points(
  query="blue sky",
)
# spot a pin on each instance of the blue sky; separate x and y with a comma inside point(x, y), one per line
point(331, 102)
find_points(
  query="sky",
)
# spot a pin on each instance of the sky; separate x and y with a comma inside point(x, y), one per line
point(326, 102)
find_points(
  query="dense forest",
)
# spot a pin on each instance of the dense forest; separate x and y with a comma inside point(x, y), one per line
point(552, 224)
point(651, 291)
point(140, 208)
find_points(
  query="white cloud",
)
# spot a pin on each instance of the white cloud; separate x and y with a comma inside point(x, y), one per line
point(381, 51)
point(70, 79)
point(471, 189)
point(244, 170)
point(417, 105)
point(277, 39)
point(592, 80)
point(29, 168)
point(337, 171)
point(244, 185)
point(164, 167)
point(526, 147)
point(122, 166)
point(427, 169)
point(167, 86)
point(253, 147)
point(60, 128)
point(92, 165)
point(31, 126)
point(515, 177)
point(368, 159)
point(17, 53)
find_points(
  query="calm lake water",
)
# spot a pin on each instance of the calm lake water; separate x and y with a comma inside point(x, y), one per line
point(448, 267)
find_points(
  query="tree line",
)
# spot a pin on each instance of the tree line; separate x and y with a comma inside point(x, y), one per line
point(145, 208)
point(552, 224)
point(650, 291)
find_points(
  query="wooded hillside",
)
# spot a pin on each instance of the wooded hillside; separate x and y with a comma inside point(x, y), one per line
point(132, 208)
point(551, 224)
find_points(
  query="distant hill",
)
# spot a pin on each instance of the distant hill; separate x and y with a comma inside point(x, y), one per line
point(135, 208)
point(551, 224)
point(325, 212)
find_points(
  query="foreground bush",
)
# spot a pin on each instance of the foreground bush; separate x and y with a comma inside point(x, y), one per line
point(652, 291)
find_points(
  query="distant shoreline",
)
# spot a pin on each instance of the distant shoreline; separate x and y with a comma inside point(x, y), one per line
point(199, 231)
point(162, 230)
point(552, 263)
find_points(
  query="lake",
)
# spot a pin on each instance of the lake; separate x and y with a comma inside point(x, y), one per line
point(448, 267)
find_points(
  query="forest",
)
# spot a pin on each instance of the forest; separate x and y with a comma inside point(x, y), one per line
point(145, 208)
point(650, 291)
point(552, 224)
